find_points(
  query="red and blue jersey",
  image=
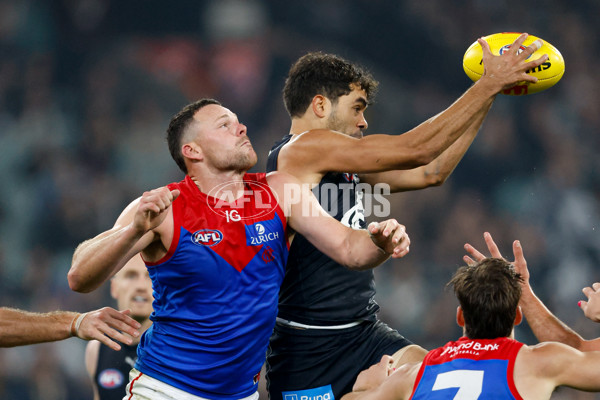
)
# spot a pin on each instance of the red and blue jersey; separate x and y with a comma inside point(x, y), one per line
point(469, 369)
point(215, 291)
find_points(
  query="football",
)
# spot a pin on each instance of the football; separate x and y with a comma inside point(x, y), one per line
point(548, 73)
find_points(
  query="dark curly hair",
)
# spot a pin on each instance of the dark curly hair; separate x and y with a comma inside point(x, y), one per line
point(325, 74)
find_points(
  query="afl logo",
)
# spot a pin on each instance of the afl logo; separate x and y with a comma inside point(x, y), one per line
point(110, 378)
point(207, 237)
point(505, 48)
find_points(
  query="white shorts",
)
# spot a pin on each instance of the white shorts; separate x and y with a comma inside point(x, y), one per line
point(144, 387)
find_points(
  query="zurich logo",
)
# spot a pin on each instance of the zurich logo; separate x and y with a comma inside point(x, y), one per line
point(207, 237)
point(260, 229)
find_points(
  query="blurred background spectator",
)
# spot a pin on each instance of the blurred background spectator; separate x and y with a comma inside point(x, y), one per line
point(87, 88)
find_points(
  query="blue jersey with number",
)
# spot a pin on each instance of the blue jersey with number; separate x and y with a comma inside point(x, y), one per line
point(468, 370)
point(215, 291)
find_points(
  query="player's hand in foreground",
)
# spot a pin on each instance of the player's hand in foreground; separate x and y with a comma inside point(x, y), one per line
point(390, 236)
point(106, 324)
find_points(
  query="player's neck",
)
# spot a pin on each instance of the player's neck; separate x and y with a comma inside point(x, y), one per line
point(224, 185)
point(304, 124)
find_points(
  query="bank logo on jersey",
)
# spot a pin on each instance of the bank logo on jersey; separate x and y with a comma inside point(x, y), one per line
point(110, 378)
point(207, 237)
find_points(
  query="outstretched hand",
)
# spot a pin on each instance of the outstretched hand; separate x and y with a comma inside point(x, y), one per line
point(152, 208)
point(391, 237)
point(591, 307)
point(107, 323)
point(519, 262)
point(511, 67)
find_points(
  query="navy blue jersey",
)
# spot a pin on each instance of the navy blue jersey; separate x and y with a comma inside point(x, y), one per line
point(112, 370)
point(317, 290)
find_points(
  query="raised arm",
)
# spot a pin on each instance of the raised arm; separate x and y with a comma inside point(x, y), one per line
point(97, 259)
point(543, 323)
point(353, 248)
point(19, 328)
point(421, 145)
point(437, 171)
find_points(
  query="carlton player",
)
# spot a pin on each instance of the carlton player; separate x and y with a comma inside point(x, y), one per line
point(486, 363)
point(215, 245)
point(109, 370)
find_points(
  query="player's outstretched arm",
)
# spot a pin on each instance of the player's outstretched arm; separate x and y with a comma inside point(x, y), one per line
point(543, 323)
point(97, 259)
point(19, 328)
point(355, 249)
point(321, 151)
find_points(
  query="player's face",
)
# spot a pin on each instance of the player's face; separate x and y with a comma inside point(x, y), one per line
point(348, 114)
point(224, 140)
point(132, 288)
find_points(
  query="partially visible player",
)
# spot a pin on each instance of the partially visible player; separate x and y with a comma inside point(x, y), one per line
point(215, 245)
point(109, 370)
point(544, 325)
point(20, 328)
point(486, 363)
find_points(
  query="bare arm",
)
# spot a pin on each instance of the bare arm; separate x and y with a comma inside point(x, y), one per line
point(436, 172)
point(19, 328)
point(549, 365)
point(355, 249)
point(545, 325)
point(380, 382)
point(97, 259)
point(320, 151)
point(91, 363)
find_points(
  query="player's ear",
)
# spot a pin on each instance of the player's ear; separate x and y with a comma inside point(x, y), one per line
point(113, 289)
point(320, 106)
point(460, 318)
point(192, 151)
point(519, 316)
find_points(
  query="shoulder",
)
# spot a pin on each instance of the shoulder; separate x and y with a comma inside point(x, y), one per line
point(92, 350)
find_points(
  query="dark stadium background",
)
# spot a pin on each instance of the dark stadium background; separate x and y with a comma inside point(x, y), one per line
point(87, 88)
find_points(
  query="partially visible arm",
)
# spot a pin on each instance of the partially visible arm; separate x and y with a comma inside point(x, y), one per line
point(19, 328)
point(97, 259)
point(91, 363)
point(321, 151)
point(436, 172)
point(353, 248)
point(379, 382)
point(552, 364)
point(544, 325)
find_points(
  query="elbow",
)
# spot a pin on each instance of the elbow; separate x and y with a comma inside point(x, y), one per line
point(76, 282)
point(435, 179)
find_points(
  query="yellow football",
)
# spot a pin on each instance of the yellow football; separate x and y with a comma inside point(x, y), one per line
point(548, 73)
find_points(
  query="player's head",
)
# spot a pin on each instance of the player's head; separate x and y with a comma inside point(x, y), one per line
point(132, 288)
point(206, 132)
point(348, 87)
point(489, 294)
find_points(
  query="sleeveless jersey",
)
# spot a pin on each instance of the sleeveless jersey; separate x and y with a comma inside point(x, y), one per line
point(112, 370)
point(469, 369)
point(215, 292)
point(317, 290)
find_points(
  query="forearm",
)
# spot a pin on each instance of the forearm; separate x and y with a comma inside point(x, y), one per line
point(545, 325)
point(97, 259)
point(18, 328)
point(362, 253)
